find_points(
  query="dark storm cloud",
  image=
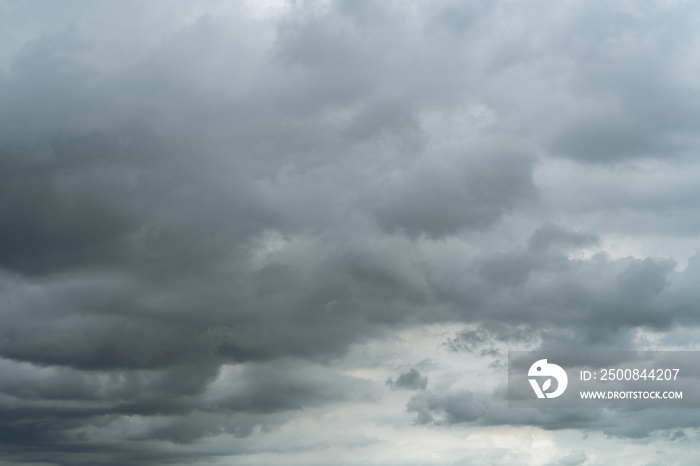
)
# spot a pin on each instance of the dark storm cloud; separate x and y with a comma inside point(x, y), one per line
point(539, 291)
point(184, 193)
point(439, 199)
point(249, 397)
point(238, 402)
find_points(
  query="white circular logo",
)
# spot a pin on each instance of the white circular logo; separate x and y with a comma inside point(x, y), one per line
point(543, 370)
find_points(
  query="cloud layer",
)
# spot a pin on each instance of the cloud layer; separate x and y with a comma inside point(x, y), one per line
point(219, 224)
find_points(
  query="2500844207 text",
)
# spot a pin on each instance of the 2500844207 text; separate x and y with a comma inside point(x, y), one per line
point(630, 374)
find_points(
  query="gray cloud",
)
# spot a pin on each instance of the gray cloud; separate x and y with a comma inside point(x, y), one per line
point(411, 380)
point(441, 199)
point(454, 407)
point(217, 186)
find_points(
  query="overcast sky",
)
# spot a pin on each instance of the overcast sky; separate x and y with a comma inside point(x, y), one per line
point(308, 232)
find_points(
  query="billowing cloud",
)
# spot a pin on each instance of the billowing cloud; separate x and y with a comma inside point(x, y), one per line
point(223, 226)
